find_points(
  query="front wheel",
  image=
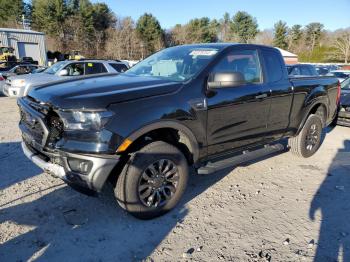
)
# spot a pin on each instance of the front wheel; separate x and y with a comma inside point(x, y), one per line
point(309, 139)
point(153, 180)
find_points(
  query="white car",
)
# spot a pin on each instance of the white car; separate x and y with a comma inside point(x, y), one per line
point(19, 86)
point(22, 69)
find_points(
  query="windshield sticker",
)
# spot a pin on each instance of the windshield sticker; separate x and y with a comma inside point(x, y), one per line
point(90, 65)
point(203, 52)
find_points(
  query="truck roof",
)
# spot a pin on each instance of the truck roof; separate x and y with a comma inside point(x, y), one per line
point(222, 46)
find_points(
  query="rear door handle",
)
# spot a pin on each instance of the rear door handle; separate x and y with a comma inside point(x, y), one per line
point(261, 96)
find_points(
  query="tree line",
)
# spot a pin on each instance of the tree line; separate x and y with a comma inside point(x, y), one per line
point(96, 31)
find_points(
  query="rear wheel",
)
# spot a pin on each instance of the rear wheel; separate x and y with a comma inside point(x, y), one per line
point(153, 180)
point(309, 139)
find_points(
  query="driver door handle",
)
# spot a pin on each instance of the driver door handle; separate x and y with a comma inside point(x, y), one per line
point(261, 96)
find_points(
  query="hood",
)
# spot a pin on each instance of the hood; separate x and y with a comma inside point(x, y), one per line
point(345, 98)
point(99, 92)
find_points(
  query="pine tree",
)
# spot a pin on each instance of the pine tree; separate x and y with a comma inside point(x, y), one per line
point(150, 32)
point(244, 27)
point(280, 37)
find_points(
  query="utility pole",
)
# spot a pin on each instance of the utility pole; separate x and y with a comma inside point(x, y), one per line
point(25, 23)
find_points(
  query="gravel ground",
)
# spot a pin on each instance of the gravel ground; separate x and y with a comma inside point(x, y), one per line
point(281, 208)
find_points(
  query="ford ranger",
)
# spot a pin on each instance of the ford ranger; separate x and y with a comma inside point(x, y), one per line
point(193, 107)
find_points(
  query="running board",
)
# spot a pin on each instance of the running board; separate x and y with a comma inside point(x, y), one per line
point(246, 156)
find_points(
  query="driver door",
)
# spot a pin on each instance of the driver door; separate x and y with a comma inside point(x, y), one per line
point(237, 115)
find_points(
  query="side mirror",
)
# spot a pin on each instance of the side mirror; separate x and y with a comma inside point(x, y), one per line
point(63, 72)
point(225, 79)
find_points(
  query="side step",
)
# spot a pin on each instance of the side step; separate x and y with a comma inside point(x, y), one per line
point(246, 156)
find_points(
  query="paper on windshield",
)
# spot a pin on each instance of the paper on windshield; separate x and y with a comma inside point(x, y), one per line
point(203, 52)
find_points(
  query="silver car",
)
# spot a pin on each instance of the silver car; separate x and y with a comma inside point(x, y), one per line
point(22, 69)
point(18, 86)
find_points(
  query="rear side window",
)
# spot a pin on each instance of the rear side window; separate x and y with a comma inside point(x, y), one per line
point(295, 71)
point(305, 71)
point(245, 62)
point(94, 68)
point(274, 67)
point(313, 70)
point(119, 67)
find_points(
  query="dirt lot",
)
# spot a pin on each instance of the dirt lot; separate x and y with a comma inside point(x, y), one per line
point(278, 209)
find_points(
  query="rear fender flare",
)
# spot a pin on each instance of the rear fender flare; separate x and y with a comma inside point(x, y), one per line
point(310, 108)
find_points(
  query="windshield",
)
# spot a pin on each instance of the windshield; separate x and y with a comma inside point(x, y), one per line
point(55, 68)
point(176, 63)
point(12, 70)
point(345, 85)
point(38, 70)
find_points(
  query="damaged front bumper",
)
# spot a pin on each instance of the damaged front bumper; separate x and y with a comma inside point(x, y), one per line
point(82, 172)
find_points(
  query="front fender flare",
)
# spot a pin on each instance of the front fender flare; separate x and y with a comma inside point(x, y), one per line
point(169, 124)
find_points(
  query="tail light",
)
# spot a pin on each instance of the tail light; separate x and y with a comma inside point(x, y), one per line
point(2, 78)
point(339, 92)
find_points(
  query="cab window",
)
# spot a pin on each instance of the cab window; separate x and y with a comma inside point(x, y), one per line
point(75, 69)
point(119, 67)
point(305, 71)
point(245, 62)
point(274, 65)
point(295, 71)
point(95, 68)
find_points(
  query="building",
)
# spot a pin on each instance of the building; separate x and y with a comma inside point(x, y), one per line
point(289, 58)
point(27, 43)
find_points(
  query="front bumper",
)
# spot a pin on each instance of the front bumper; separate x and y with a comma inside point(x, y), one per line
point(79, 168)
point(57, 164)
point(11, 91)
point(343, 118)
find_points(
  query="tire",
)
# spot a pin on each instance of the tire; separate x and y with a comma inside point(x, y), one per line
point(301, 144)
point(139, 178)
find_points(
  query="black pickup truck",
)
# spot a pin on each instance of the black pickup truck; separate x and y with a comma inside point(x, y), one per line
point(186, 107)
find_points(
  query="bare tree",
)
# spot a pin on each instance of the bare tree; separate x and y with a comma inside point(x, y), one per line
point(264, 37)
point(123, 42)
point(342, 44)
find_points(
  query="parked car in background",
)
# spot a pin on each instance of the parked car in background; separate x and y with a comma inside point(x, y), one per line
point(344, 110)
point(333, 67)
point(197, 107)
point(340, 74)
point(17, 70)
point(299, 70)
point(28, 59)
point(322, 70)
point(6, 66)
point(20, 85)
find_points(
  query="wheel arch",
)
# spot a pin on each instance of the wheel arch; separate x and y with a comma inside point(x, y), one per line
point(167, 130)
point(312, 110)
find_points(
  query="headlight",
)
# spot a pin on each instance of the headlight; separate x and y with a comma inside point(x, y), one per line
point(85, 120)
point(18, 83)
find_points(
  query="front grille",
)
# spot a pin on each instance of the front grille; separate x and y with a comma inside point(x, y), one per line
point(35, 129)
point(55, 125)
